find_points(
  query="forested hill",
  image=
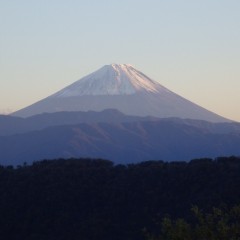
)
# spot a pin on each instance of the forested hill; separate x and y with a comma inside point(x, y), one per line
point(97, 200)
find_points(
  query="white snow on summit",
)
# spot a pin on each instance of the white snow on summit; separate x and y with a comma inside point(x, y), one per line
point(114, 79)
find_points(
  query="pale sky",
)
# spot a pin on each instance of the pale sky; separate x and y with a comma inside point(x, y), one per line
point(191, 47)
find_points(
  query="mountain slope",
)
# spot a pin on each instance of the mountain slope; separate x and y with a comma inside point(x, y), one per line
point(121, 87)
point(121, 142)
point(10, 125)
point(114, 79)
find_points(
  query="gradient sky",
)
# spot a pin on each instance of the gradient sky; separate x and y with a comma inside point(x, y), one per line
point(191, 47)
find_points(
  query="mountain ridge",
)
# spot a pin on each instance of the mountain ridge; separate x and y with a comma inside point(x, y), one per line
point(10, 125)
point(124, 142)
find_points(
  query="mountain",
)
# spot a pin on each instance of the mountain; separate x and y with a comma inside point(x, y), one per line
point(10, 125)
point(121, 87)
point(124, 142)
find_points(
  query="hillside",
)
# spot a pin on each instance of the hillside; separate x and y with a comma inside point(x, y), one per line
point(124, 142)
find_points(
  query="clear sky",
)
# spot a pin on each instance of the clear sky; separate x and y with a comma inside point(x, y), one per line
point(191, 47)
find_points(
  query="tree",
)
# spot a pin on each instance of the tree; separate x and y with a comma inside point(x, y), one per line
point(219, 224)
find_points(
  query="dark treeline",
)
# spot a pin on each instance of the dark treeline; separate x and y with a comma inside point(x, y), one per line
point(97, 200)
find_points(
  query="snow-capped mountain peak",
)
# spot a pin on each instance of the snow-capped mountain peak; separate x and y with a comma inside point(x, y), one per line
point(114, 79)
point(124, 88)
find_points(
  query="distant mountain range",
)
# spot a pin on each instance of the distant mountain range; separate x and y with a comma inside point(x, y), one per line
point(120, 114)
point(115, 136)
point(10, 125)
